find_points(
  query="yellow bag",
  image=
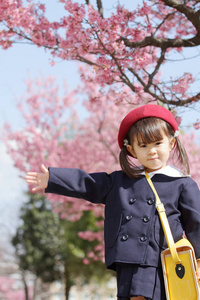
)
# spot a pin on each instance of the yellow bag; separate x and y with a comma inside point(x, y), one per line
point(185, 285)
point(178, 261)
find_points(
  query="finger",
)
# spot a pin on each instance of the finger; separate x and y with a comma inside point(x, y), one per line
point(31, 178)
point(32, 181)
point(44, 169)
point(31, 173)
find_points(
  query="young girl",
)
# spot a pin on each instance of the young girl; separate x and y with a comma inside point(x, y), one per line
point(134, 237)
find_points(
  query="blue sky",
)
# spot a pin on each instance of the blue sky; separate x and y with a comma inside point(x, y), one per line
point(24, 61)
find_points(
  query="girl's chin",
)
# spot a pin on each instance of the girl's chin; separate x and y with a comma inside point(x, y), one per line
point(149, 170)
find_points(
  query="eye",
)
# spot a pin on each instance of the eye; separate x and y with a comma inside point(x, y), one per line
point(158, 143)
point(142, 146)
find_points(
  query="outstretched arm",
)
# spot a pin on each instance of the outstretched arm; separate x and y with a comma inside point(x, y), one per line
point(38, 179)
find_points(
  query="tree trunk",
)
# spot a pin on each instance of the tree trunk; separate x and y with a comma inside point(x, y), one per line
point(67, 289)
point(25, 286)
point(35, 288)
point(68, 283)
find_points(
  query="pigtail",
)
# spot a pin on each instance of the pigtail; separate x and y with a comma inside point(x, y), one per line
point(127, 164)
point(182, 156)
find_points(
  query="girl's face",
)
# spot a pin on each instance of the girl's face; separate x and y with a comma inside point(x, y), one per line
point(153, 156)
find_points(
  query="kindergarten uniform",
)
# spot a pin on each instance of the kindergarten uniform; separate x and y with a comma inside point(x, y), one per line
point(133, 233)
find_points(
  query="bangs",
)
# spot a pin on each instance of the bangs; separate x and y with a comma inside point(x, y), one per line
point(149, 130)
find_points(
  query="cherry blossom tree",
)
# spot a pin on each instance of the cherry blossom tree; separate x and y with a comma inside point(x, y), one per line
point(126, 50)
point(53, 135)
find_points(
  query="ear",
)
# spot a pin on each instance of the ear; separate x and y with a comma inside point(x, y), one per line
point(172, 143)
point(131, 150)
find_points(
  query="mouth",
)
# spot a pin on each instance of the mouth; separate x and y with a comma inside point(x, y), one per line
point(154, 158)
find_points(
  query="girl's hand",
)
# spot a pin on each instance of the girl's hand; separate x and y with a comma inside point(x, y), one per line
point(40, 179)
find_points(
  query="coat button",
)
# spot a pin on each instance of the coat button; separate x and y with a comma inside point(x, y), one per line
point(125, 237)
point(145, 219)
point(132, 200)
point(128, 218)
point(143, 238)
point(150, 201)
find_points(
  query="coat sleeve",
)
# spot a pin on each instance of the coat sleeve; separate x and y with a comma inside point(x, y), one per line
point(77, 183)
point(190, 213)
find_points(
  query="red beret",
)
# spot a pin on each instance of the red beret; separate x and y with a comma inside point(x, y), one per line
point(142, 112)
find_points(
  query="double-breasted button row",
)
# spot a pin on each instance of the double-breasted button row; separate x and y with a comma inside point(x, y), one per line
point(150, 201)
point(125, 237)
point(145, 219)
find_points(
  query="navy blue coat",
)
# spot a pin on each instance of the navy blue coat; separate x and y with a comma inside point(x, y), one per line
point(133, 232)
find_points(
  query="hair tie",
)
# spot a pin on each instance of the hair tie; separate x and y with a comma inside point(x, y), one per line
point(125, 142)
point(176, 133)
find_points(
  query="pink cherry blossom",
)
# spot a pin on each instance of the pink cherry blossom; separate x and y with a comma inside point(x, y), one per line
point(10, 290)
point(55, 135)
point(125, 47)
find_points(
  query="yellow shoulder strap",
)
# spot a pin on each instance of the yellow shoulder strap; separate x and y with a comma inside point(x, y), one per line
point(164, 222)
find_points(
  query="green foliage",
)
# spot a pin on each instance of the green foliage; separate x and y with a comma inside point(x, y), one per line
point(38, 241)
point(50, 247)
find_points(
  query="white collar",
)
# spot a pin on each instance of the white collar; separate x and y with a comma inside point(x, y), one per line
point(170, 171)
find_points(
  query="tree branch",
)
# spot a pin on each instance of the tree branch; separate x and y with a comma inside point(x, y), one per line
point(100, 7)
point(190, 13)
point(162, 42)
point(123, 76)
point(151, 76)
point(87, 61)
point(162, 98)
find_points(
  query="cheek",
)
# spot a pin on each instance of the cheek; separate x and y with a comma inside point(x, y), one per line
point(141, 156)
point(166, 155)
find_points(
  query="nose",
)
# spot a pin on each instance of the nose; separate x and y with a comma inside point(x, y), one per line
point(152, 150)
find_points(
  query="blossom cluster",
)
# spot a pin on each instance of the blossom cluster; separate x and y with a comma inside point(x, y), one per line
point(82, 34)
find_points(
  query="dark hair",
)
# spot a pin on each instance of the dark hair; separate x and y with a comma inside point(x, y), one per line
point(149, 130)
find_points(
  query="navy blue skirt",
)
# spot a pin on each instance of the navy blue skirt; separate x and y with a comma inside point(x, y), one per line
point(134, 280)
